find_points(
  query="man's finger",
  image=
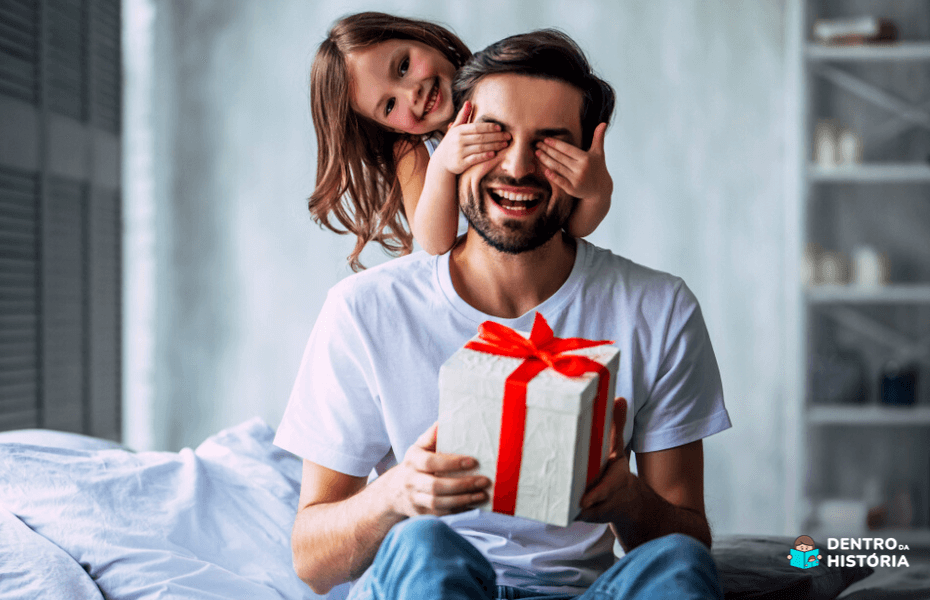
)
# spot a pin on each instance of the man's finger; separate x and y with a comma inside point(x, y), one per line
point(456, 486)
point(447, 504)
point(616, 432)
point(427, 440)
point(427, 461)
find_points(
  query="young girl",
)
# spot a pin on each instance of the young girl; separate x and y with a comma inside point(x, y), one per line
point(389, 149)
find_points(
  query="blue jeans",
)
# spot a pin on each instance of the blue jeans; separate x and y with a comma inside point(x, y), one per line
point(424, 558)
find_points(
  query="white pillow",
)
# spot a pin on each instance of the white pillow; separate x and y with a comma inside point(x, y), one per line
point(213, 523)
point(56, 439)
point(32, 567)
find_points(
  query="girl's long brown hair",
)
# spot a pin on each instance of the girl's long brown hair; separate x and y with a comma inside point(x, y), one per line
point(356, 176)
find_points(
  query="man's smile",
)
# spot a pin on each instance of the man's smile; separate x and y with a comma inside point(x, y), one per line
point(515, 205)
point(517, 200)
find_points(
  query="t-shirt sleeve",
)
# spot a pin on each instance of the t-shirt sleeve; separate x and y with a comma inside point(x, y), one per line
point(333, 416)
point(685, 402)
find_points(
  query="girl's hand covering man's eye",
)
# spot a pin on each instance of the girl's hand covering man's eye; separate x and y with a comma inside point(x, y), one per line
point(582, 174)
point(466, 144)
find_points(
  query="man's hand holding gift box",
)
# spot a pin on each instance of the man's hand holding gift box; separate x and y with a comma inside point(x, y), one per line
point(536, 412)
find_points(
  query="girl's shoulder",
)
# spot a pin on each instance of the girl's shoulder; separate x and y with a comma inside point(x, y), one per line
point(431, 141)
point(428, 142)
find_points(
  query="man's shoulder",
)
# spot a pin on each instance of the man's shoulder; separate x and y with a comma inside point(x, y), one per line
point(607, 267)
point(406, 271)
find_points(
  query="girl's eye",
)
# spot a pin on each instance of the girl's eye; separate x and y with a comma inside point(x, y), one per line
point(404, 65)
point(388, 107)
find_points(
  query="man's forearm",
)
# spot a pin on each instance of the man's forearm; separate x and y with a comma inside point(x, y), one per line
point(335, 542)
point(654, 516)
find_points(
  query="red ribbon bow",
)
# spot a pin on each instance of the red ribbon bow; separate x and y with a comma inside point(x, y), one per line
point(540, 351)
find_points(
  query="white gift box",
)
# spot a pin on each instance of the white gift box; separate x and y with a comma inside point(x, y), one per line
point(553, 470)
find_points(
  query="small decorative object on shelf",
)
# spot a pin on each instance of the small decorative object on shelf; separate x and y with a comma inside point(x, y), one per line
point(833, 269)
point(899, 384)
point(869, 267)
point(835, 145)
point(825, 154)
point(848, 148)
point(855, 30)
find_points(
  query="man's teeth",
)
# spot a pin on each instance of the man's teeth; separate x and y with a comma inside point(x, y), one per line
point(515, 201)
point(513, 197)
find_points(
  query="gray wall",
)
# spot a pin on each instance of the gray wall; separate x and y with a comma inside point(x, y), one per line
point(226, 272)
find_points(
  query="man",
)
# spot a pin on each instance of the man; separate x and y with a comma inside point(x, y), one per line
point(367, 393)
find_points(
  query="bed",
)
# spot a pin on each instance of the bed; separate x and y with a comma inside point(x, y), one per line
point(83, 518)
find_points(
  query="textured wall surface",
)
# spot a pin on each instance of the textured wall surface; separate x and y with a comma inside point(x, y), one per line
point(237, 271)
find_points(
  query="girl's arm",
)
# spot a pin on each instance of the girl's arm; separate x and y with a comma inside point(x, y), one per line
point(430, 198)
point(581, 174)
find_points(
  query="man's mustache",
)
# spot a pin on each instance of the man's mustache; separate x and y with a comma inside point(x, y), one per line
point(531, 180)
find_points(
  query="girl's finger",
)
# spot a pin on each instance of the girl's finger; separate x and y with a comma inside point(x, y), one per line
point(552, 164)
point(481, 129)
point(485, 147)
point(554, 146)
point(597, 142)
point(462, 117)
point(474, 159)
point(484, 136)
point(479, 144)
point(558, 179)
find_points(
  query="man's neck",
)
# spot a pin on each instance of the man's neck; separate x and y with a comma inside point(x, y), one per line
point(509, 285)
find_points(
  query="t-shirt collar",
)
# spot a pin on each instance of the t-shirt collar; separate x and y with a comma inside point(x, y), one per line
point(548, 307)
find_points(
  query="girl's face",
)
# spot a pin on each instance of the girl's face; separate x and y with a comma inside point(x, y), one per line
point(404, 85)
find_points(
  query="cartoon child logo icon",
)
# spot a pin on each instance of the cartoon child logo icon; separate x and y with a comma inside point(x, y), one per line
point(804, 555)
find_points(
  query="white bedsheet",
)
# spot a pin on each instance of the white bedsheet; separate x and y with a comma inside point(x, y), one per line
point(211, 523)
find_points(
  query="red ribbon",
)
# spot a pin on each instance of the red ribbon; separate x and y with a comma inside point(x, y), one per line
point(541, 351)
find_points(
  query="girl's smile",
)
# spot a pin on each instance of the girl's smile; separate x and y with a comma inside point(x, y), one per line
point(404, 85)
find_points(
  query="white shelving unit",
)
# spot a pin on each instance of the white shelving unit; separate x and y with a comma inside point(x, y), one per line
point(874, 173)
point(867, 416)
point(886, 294)
point(890, 52)
point(871, 89)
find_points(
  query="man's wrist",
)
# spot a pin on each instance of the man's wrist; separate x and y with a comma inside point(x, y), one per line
point(649, 516)
point(388, 503)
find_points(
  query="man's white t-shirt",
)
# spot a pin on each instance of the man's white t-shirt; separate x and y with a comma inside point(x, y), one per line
point(368, 386)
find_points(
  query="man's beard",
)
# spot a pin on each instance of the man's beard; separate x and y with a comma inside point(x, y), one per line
point(514, 236)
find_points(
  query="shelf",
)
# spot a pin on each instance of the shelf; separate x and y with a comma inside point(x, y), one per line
point(869, 415)
point(872, 173)
point(885, 294)
point(896, 51)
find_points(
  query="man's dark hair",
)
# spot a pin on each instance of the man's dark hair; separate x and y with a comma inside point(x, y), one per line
point(547, 54)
